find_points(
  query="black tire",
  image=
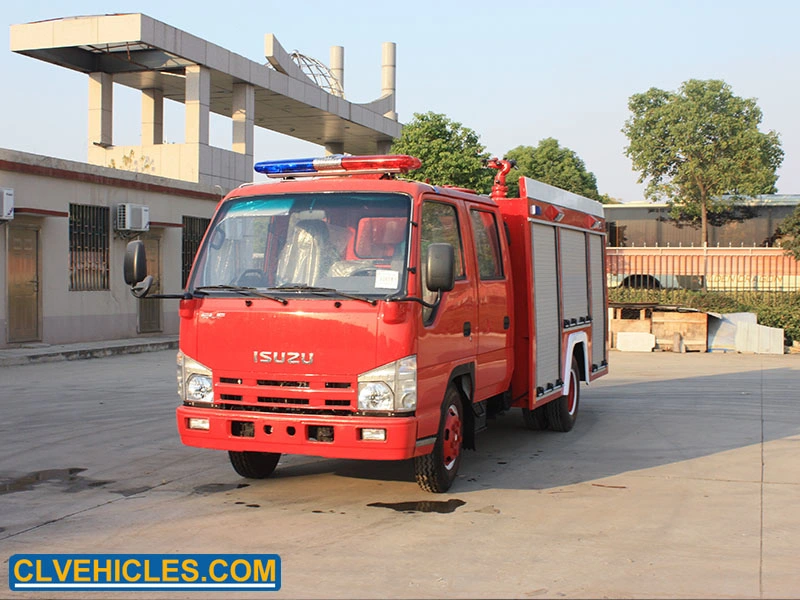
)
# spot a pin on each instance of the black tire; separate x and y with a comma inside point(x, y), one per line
point(535, 419)
point(436, 472)
point(562, 413)
point(254, 465)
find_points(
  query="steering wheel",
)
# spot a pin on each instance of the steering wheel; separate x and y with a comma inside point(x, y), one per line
point(251, 278)
point(364, 272)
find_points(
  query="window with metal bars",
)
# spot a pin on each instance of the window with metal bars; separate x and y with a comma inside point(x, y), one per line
point(88, 247)
point(193, 230)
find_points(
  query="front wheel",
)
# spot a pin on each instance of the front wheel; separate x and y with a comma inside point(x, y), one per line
point(254, 465)
point(436, 472)
point(562, 413)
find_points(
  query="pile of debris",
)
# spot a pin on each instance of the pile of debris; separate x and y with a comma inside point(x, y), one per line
point(646, 327)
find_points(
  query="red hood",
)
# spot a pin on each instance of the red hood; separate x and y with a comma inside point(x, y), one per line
point(304, 337)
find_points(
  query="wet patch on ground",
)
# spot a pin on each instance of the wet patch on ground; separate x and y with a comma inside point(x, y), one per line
point(135, 491)
point(69, 480)
point(422, 506)
point(214, 488)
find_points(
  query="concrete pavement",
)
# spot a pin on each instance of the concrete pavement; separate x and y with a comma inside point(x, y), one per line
point(679, 480)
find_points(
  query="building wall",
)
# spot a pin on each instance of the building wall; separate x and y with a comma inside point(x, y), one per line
point(749, 223)
point(44, 187)
point(187, 162)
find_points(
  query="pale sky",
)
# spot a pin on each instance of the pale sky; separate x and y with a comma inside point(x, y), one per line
point(515, 72)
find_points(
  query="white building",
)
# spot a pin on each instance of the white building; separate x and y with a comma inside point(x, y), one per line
point(63, 248)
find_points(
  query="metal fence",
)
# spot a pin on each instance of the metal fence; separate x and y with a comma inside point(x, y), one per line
point(730, 270)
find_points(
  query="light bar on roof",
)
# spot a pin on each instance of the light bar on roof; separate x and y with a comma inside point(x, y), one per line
point(339, 164)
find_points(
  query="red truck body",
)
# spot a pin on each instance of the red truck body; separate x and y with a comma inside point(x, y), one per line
point(308, 326)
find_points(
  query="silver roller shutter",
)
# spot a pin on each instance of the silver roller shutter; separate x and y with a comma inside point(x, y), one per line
point(599, 314)
point(545, 303)
point(573, 274)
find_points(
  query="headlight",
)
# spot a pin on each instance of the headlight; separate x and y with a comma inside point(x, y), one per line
point(194, 380)
point(390, 388)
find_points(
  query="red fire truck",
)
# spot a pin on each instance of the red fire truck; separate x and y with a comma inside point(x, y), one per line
point(344, 312)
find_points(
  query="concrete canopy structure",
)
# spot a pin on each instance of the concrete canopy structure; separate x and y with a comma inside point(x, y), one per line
point(164, 62)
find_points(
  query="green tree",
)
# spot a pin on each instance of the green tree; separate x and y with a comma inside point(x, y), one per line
point(789, 233)
point(550, 163)
point(451, 154)
point(698, 145)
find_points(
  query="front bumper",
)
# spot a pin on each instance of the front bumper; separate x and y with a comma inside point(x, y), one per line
point(294, 434)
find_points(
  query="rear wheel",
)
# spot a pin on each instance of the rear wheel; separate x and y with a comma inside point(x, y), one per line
point(254, 465)
point(535, 419)
point(562, 413)
point(436, 472)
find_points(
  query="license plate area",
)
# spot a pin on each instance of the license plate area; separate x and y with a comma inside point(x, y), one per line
point(320, 433)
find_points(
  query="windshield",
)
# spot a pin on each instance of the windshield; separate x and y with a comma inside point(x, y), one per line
point(349, 242)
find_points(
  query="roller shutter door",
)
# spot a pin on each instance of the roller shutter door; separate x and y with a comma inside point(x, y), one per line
point(545, 303)
point(573, 274)
point(599, 313)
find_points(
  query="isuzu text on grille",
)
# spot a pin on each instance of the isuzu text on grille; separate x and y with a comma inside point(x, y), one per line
point(292, 358)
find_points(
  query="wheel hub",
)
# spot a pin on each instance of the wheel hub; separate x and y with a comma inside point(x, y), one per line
point(451, 444)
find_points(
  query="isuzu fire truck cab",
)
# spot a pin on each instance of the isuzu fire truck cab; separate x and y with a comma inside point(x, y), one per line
point(342, 312)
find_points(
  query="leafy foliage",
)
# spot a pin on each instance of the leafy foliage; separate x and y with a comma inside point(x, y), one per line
point(698, 145)
point(451, 154)
point(789, 232)
point(553, 164)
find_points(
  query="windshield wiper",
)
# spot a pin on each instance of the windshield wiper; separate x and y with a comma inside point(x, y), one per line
point(244, 291)
point(321, 291)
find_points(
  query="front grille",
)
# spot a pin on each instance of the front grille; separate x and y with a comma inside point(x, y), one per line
point(284, 400)
point(312, 395)
point(283, 410)
point(277, 383)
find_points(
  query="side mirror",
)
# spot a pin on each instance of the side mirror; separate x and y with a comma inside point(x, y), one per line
point(135, 269)
point(441, 268)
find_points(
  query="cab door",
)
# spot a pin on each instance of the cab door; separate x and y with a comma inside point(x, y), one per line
point(494, 360)
point(447, 341)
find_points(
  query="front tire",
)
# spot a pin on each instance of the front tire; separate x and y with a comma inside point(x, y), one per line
point(562, 413)
point(254, 465)
point(436, 472)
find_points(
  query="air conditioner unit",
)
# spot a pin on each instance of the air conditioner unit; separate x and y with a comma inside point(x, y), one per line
point(133, 217)
point(6, 204)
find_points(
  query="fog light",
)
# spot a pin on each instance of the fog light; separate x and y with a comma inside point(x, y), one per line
point(199, 424)
point(378, 435)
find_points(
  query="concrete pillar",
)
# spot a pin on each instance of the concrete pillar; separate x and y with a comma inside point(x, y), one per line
point(389, 76)
point(198, 98)
point(243, 114)
point(101, 109)
point(152, 117)
point(383, 146)
point(337, 67)
point(334, 147)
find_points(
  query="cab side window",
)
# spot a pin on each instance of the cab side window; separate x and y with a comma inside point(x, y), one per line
point(487, 245)
point(439, 224)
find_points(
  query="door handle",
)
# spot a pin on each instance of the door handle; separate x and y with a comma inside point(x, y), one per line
point(506, 322)
point(467, 328)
